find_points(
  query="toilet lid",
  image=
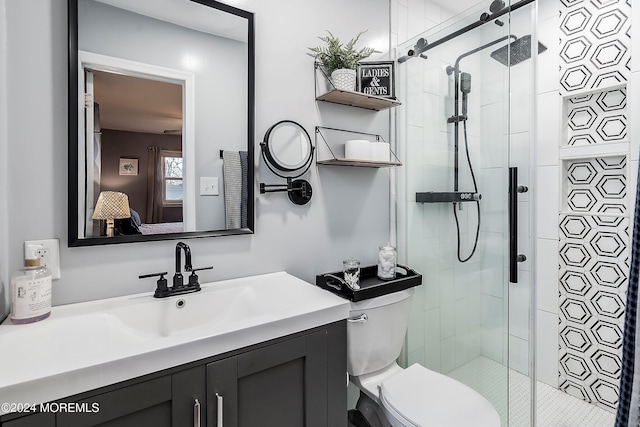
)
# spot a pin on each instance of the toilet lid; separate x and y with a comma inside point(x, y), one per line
point(421, 397)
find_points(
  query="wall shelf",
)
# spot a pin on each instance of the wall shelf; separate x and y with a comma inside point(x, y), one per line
point(333, 153)
point(358, 99)
point(359, 163)
point(349, 97)
point(603, 149)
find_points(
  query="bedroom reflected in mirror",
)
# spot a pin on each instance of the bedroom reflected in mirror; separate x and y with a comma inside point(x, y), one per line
point(161, 100)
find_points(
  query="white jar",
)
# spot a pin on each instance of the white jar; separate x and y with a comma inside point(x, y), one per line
point(387, 259)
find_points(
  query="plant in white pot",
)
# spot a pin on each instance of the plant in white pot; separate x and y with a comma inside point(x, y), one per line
point(340, 61)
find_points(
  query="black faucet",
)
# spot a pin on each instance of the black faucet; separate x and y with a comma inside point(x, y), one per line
point(178, 287)
point(177, 278)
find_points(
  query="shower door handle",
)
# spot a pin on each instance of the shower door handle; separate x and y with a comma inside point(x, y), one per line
point(514, 257)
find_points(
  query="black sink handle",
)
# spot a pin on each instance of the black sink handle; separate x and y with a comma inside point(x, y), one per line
point(193, 277)
point(202, 268)
point(162, 286)
point(146, 276)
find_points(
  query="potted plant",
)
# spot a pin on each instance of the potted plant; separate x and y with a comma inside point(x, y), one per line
point(340, 61)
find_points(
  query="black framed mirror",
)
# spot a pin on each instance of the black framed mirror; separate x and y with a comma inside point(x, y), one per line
point(288, 152)
point(161, 109)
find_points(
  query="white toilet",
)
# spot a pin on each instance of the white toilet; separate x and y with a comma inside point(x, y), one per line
point(395, 397)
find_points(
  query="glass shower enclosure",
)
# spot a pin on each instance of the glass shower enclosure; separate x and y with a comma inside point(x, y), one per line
point(465, 130)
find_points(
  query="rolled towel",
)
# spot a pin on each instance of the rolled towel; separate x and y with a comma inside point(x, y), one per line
point(380, 151)
point(357, 149)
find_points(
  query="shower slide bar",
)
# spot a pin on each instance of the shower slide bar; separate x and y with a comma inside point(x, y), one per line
point(422, 45)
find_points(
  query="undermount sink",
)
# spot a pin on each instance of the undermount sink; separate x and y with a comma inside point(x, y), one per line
point(92, 344)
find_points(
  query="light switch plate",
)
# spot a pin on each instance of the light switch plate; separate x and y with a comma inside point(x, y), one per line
point(209, 186)
point(48, 250)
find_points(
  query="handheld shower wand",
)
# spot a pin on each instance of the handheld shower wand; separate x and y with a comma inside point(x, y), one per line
point(465, 88)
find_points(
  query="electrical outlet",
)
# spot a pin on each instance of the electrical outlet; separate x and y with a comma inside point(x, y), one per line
point(49, 253)
point(45, 256)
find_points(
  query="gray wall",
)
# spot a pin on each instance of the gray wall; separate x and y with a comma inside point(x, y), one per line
point(348, 216)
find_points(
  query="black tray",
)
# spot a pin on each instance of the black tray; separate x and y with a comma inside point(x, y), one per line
point(370, 285)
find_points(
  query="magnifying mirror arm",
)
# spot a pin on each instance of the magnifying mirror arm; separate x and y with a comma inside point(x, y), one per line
point(291, 185)
point(298, 190)
point(273, 188)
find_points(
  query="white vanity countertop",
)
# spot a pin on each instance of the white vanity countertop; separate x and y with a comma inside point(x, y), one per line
point(88, 345)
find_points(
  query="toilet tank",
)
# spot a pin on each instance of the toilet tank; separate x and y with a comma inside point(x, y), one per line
point(376, 343)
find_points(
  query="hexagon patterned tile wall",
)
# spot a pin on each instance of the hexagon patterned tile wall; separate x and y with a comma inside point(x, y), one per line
point(595, 58)
point(595, 44)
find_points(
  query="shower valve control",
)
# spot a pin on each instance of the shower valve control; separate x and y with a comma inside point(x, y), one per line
point(457, 119)
point(470, 196)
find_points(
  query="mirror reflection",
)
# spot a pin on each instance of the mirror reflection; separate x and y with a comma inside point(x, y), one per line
point(137, 150)
point(164, 116)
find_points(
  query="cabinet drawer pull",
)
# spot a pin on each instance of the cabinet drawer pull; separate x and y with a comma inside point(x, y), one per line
point(196, 413)
point(219, 398)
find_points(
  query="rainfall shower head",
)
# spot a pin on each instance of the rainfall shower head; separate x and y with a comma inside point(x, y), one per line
point(517, 51)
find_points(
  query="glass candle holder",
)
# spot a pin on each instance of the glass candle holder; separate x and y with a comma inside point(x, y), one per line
point(387, 259)
point(351, 270)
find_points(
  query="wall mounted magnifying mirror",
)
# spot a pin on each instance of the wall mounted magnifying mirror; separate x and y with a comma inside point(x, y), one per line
point(157, 88)
point(287, 151)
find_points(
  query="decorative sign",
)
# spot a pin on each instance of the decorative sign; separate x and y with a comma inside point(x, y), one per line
point(377, 78)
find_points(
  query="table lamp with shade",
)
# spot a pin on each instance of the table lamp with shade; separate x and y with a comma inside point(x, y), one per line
point(111, 205)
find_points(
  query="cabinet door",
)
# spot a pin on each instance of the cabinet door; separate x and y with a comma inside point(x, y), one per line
point(282, 384)
point(189, 399)
point(34, 420)
point(138, 405)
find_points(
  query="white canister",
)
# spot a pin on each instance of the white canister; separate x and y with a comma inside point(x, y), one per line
point(380, 151)
point(357, 149)
point(387, 259)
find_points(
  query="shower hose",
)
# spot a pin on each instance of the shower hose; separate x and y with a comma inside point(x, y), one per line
point(455, 210)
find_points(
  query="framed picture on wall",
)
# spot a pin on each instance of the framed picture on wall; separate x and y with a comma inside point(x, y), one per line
point(128, 166)
point(376, 78)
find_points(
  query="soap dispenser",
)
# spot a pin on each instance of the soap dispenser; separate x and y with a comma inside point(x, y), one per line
point(30, 290)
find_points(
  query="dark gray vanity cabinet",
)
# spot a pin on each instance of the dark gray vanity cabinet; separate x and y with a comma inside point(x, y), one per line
point(283, 384)
point(169, 400)
point(294, 381)
point(33, 420)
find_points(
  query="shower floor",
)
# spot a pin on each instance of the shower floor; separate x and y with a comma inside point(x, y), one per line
point(555, 408)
